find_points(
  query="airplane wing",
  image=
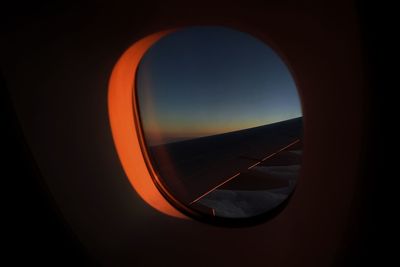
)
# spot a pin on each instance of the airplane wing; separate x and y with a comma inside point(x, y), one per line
point(241, 160)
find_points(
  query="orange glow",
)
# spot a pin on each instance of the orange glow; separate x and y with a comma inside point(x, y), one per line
point(124, 125)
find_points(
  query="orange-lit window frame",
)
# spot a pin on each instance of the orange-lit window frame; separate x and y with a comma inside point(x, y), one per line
point(126, 129)
point(130, 145)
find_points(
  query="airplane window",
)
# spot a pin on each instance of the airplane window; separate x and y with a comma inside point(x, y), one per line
point(221, 123)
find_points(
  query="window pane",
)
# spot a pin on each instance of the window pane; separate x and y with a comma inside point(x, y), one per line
point(221, 120)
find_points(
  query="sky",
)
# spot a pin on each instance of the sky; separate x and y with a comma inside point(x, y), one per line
point(201, 81)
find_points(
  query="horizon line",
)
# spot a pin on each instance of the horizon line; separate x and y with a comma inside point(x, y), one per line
point(205, 136)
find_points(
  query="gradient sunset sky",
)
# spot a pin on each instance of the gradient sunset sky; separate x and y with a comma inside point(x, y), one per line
point(202, 81)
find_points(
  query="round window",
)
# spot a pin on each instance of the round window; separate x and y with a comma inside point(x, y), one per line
point(220, 122)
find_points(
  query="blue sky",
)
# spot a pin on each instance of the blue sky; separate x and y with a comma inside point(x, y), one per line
point(202, 81)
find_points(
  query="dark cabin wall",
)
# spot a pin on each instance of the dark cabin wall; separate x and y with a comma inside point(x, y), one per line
point(56, 62)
